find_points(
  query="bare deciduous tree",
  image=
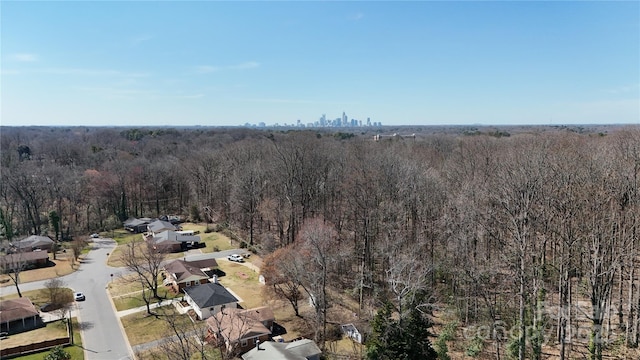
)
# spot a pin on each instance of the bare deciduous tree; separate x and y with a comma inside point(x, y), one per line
point(145, 261)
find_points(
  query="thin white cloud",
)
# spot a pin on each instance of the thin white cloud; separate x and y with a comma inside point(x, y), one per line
point(206, 69)
point(24, 57)
point(9, 72)
point(194, 96)
point(135, 41)
point(623, 89)
point(294, 101)
point(89, 72)
point(245, 65)
point(139, 93)
point(600, 111)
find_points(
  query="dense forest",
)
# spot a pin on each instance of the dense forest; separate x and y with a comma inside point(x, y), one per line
point(527, 239)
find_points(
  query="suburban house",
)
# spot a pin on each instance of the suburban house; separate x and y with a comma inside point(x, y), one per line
point(240, 330)
point(158, 226)
point(24, 261)
point(173, 241)
point(180, 274)
point(33, 242)
point(208, 299)
point(18, 315)
point(304, 349)
point(137, 226)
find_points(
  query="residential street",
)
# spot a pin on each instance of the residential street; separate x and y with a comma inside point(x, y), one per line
point(103, 337)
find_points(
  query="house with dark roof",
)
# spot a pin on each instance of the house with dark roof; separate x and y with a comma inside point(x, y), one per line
point(33, 242)
point(18, 315)
point(137, 226)
point(240, 330)
point(208, 299)
point(158, 226)
point(304, 349)
point(24, 261)
point(179, 274)
point(174, 241)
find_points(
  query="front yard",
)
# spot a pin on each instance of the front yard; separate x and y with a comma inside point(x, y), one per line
point(64, 265)
point(53, 330)
point(142, 328)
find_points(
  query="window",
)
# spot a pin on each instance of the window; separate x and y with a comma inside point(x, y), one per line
point(244, 342)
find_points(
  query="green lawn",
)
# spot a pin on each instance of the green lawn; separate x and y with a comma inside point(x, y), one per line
point(74, 350)
point(134, 300)
point(38, 297)
point(141, 328)
point(121, 236)
point(214, 241)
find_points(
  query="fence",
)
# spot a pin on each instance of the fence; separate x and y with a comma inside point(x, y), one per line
point(36, 347)
point(27, 349)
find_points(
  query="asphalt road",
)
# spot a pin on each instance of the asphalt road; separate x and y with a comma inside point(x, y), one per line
point(103, 337)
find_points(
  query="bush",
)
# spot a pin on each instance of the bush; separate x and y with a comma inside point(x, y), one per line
point(475, 347)
point(448, 333)
point(58, 353)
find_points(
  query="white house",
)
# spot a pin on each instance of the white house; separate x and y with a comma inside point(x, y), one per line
point(208, 299)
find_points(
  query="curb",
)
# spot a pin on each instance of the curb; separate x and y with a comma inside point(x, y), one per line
point(124, 334)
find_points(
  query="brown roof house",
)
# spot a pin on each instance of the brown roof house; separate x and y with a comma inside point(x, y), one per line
point(180, 274)
point(32, 243)
point(18, 315)
point(240, 330)
point(24, 261)
point(208, 299)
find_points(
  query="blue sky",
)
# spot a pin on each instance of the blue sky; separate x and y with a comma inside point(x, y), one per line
point(212, 63)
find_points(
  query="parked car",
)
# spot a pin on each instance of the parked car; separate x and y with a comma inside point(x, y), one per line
point(235, 257)
point(78, 296)
point(50, 307)
point(95, 236)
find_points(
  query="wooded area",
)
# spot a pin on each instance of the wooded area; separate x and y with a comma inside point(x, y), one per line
point(529, 238)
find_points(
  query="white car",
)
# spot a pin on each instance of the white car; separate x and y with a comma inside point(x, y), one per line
point(95, 236)
point(235, 257)
point(78, 296)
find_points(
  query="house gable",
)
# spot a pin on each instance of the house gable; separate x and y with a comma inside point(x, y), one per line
point(210, 295)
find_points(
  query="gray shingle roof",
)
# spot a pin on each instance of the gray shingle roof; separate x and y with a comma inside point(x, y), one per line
point(296, 350)
point(160, 225)
point(210, 294)
point(33, 241)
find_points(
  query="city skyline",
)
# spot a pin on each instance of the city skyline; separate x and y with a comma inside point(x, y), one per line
point(399, 63)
